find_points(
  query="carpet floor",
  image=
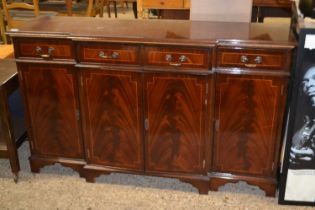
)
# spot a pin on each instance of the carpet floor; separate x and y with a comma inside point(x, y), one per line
point(61, 188)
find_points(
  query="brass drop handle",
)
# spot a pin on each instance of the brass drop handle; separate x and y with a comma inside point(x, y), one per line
point(39, 51)
point(168, 57)
point(250, 65)
point(181, 60)
point(175, 64)
point(103, 55)
point(244, 59)
point(258, 60)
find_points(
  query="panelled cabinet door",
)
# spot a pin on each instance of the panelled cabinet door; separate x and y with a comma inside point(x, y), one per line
point(51, 101)
point(113, 124)
point(175, 122)
point(249, 112)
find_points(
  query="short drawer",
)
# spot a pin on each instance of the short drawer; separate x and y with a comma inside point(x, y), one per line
point(192, 58)
point(254, 58)
point(109, 53)
point(176, 4)
point(44, 49)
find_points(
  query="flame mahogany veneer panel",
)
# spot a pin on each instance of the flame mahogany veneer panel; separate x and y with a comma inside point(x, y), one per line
point(113, 121)
point(52, 102)
point(250, 111)
point(175, 110)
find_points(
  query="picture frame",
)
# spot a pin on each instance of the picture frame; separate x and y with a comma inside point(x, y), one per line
point(297, 181)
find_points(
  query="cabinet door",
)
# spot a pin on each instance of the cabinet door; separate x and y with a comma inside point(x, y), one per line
point(175, 106)
point(112, 122)
point(52, 103)
point(249, 112)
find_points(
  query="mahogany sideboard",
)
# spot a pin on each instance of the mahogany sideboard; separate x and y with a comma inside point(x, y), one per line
point(203, 102)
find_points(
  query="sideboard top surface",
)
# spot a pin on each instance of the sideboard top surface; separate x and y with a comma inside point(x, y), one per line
point(167, 31)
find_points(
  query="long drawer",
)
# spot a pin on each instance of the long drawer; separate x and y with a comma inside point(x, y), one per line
point(44, 49)
point(163, 4)
point(178, 57)
point(253, 59)
point(108, 53)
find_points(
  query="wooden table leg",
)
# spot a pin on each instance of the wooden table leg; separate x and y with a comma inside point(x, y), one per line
point(69, 7)
point(8, 133)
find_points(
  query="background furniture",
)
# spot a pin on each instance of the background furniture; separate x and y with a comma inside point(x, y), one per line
point(176, 9)
point(134, 6)
point(178, 99)
point(271, 8)
point(12, 129)
point(219, 11)
point(2, 28)
point(17, 13)
point(15, 22)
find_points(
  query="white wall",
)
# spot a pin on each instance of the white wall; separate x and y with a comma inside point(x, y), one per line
point(221, 10)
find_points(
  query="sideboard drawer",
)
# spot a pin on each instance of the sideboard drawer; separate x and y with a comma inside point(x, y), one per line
point(44, 49)
point(192, 58)
point(253, 58)
point(175, 4)
point(109, 53)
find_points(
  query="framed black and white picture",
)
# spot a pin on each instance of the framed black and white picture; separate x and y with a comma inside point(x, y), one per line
point(297, 185)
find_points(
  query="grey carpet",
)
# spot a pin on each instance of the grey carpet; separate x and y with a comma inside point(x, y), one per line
point(57, 187)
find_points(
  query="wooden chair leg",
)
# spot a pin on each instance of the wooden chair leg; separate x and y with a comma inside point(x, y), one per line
point(115, 8)
point(2, 29)
point(69, 7)
point(134, 8)
point(89, 11)
point(108, 8)
point(101, 7)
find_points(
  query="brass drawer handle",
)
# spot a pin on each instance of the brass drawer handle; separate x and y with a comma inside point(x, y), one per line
point(168, 57)
point(250, 65)
point(258, 60)
point(39, 51)
point(181, 60)
point(244, 59)
point(103, 55)
point(175, 64)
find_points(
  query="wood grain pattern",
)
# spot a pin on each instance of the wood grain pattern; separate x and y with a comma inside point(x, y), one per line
point(27, 48)
point(175, 109)
point(127, 54)
point(196, 58)
point(52, 104)
point(113, 124)
point(250, 111)
point(275, 60)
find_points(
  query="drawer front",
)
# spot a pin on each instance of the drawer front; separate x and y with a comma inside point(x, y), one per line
point(163, 4)
point(254, 59)
point(178, 57)
point(272, 3)
point(44, 49)
point(109, 53)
